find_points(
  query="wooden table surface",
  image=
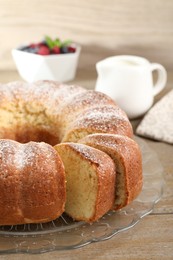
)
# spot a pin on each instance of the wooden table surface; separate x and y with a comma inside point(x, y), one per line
point(152, 237)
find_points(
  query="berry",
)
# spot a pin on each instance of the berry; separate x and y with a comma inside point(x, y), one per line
point(23, 48)
point(29, 49)
point(55, 50)
point(71, 49)
point(64, 49)
point(43, 50)
point(32, 50)
point(33, 45)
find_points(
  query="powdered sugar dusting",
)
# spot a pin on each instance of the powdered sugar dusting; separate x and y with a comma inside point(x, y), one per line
point(22, 155)
point(114, 141)
point(104, 119)
point(54, 90)
point(83, 100)
point(94, 156)
point(105, 111)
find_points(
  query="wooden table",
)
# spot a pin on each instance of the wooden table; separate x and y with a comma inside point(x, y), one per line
point(152, 237)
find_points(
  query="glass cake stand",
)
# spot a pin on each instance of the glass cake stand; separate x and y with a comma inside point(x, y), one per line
point(64, 233)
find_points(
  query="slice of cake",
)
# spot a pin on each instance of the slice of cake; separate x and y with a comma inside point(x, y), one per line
point(90, 176)
point(126, 155)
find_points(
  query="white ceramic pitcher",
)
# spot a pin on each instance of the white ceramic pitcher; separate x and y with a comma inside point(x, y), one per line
point(129, 81)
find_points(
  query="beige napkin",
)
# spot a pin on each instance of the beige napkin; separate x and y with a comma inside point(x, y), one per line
point(158, 122)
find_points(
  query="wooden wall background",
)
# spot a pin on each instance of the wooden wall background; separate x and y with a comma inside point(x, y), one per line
point(103, 28)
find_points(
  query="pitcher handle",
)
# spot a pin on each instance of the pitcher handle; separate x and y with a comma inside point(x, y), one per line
point(162, 77)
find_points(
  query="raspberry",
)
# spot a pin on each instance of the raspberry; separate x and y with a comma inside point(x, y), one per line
point(55, 50)
point(71, 49)
point(33, 45)
point(43, 50)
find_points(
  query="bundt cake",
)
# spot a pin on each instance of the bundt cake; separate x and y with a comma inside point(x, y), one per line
point(61, 116)
point(90, 176)
point(127, 157)
point(32, 189)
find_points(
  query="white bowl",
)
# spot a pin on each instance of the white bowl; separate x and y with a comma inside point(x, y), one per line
point(59, 67)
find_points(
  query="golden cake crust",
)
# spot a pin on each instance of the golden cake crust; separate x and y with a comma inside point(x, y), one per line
point(100, 119)
point(32, 183)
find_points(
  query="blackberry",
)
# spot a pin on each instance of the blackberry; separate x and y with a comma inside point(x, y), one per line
point(64, 49)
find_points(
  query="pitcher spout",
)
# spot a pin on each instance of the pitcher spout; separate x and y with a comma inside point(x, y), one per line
point(103, 68)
